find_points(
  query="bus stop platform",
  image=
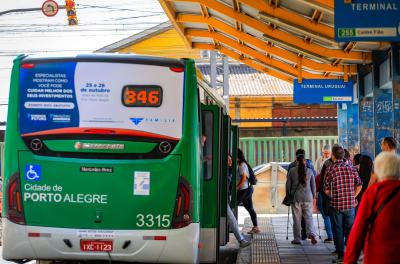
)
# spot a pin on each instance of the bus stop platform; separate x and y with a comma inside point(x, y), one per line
point(271, 246)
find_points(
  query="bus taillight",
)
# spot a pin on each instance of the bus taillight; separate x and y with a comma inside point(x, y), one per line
point(15, 212)
point(177, 69)
point(28, 66)
point(183, 205)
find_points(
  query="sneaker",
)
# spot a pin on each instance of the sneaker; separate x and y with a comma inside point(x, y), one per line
point(334, 252)
point(295, 242)
point(328, 240)
point(313, 240)
point(244, 243)
point(338, 261)
point(254, 230)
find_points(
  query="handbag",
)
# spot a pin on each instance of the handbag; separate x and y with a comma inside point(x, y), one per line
point(289, 198)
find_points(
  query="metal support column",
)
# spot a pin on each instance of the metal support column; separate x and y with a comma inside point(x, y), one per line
point(213, 70)
point(366, 110)
point(225, 93)
point(383, 98)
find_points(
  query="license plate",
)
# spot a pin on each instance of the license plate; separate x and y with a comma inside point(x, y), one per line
point(96, 245)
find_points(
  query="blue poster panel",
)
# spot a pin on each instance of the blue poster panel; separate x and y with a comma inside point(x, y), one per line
point(353, 131)
point(367, 146)
point(367, 20)
point(322, 91)
point(48, 97)
point(383, 108)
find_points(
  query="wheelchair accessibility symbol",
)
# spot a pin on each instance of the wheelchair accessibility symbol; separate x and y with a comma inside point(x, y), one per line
point(32, 172)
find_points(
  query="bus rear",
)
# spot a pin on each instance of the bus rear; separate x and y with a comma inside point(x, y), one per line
point(95, 165)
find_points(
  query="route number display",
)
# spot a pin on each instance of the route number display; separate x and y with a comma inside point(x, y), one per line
point(142, 96)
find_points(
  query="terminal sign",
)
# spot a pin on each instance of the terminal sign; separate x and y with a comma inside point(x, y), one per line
point(367, 20)
point(322, 91)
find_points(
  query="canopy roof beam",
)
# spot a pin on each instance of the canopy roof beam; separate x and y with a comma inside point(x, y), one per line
point(277, 65)
point(292, 18)
point(325, 6)
point(282, 35)
point(297, 29)
point(262, 45)
point(250, 62)
point(171, 13)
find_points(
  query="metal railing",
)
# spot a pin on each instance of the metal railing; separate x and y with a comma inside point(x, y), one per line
point(282, 149)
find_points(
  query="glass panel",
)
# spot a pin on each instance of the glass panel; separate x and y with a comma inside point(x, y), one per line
point(368, 86)
point(207, 141)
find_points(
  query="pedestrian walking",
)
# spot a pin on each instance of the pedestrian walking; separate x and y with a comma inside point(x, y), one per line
point(301, 184)
point(342, 184)
point(309, 164)
point(365, 171)
point(326, 154)
point(319, 164)
point(388, 144)
point(232, 221)
point(245, 190)
point(376, 229)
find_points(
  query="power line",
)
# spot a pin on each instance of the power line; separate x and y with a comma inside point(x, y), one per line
point(25, 10)
point(119, 9)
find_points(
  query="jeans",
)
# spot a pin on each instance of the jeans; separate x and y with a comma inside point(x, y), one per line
point(233, 224)
point(246, 197)
point(327, 219)
point(343, 222)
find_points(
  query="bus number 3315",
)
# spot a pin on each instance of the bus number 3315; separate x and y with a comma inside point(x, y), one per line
point(152, 220)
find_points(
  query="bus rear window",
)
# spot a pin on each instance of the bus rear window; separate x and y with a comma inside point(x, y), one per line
point(117, 96)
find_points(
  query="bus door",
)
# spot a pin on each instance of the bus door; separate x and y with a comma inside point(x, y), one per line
point(234, 146)
point(210, 211)
point(226, 129)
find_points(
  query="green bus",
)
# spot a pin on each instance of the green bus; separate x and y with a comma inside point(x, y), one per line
point(104, 161)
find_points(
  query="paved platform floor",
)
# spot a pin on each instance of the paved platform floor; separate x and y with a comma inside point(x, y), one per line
point(271, 246)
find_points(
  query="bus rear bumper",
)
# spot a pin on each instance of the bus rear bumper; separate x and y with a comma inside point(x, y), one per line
point(179, 246)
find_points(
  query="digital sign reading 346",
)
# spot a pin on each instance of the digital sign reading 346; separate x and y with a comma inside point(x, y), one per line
point(142, 96)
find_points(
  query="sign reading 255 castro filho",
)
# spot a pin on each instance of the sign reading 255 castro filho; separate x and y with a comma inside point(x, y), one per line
point(322, 91)
point(367, 20)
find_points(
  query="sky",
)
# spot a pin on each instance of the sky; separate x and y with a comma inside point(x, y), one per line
point(101, 22)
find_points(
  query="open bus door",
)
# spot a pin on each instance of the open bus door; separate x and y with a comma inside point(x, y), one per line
point(226, 135)
point(234, 147)
point(211, 116)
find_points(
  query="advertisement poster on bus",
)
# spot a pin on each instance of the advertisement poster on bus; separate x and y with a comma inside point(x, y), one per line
point(101, 95)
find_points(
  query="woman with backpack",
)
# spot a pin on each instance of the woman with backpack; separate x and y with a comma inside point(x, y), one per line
point(245, 190)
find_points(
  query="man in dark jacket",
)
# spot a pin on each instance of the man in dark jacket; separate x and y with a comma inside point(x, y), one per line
point(309, 165)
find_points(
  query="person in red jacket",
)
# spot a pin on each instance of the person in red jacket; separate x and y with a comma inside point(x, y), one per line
point(378, 238)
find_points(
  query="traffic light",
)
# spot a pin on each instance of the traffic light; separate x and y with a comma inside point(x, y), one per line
point(71, 12)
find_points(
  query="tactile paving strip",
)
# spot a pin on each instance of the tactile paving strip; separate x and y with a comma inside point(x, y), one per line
point(264, 248)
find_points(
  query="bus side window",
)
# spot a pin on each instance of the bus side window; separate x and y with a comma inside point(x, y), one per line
point(207, 142)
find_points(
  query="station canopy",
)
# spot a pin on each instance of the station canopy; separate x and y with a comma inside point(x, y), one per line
point(286, 39)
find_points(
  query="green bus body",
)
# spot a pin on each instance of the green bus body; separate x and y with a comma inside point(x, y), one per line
point(122, 208)
point(89, 189)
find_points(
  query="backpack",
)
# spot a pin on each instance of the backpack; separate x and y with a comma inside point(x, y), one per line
point(252, 177)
